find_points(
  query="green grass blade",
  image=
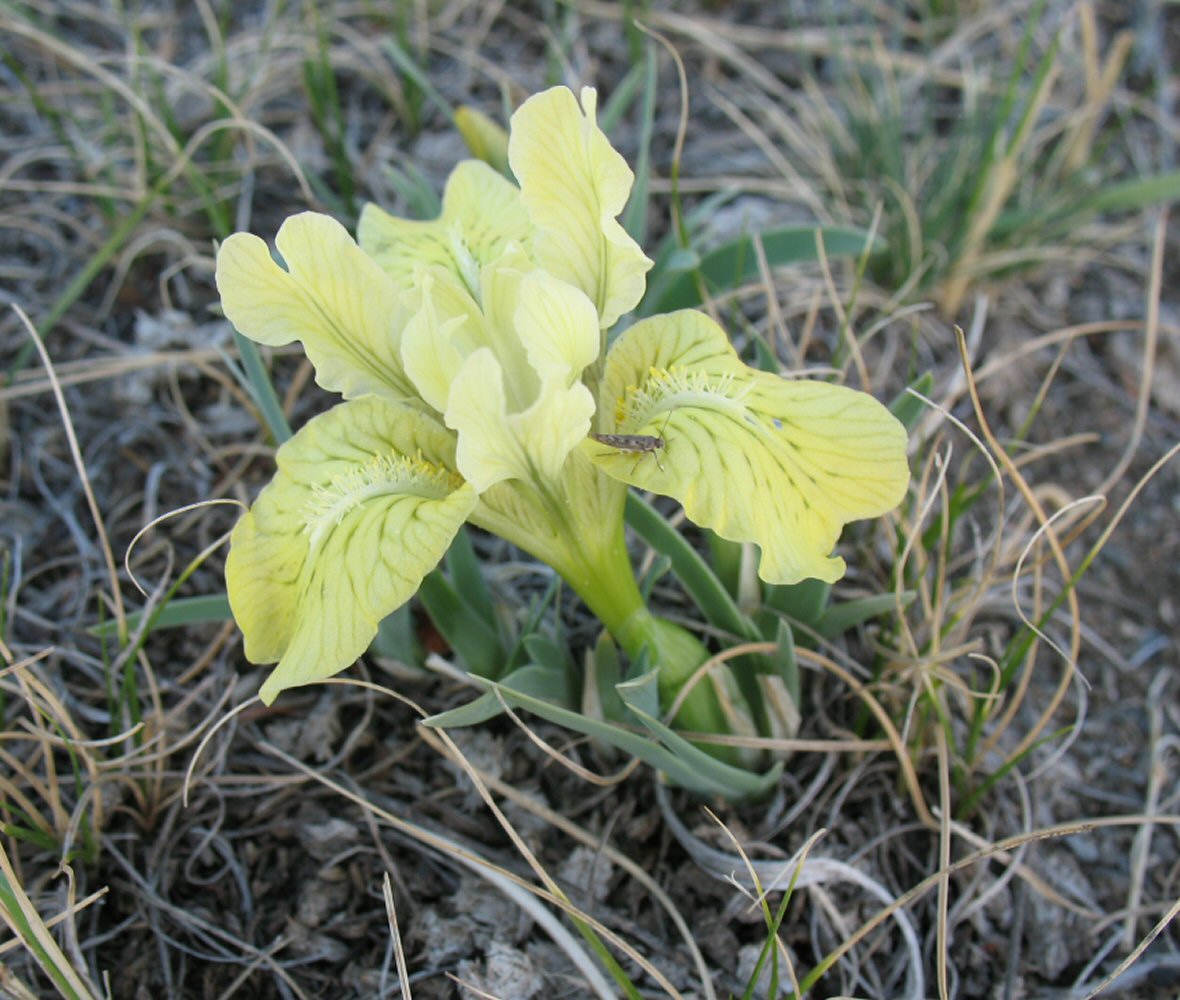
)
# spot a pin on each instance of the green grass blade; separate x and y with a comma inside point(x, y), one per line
point(175, 614)
point(464, 628)
point(82, 280)
point(1130, 195)
point(16, 910)
point(708, 593)
point(839, 618)
point(615, 108)
point(967, 807)
point(635, 215)
point(404, 62)
point(261, 389)
point(686, 765)
point(736, 263)
point(907, 407)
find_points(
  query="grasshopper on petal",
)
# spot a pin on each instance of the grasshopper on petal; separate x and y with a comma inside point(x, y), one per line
point(641, 444)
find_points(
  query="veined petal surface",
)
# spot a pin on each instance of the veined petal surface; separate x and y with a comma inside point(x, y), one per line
point(557, 325)
point(363, 506)
point(495, 445)
point(331, 297)
point(750, 455)
point(434, 345)
point(481, 215)
point(574, 185)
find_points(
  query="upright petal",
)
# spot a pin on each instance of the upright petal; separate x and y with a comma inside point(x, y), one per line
point(495, 445)
point(574, 185)
point(753, 456)
point(557, 325)
point(362, 507)
point(331, 297)
point(431, 346)
point(481, 215)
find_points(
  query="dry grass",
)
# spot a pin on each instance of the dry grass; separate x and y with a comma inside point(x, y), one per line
point(166, 835)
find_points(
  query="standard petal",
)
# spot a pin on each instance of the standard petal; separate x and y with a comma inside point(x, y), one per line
point(429, 348)
point(481, 215)
point(557, 325)
point(331, 297)
point(532, 445)
point(750, 455)
point(574, 185)
point(363, 506)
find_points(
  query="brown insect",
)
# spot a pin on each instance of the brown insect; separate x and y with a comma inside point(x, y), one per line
point(641, 444)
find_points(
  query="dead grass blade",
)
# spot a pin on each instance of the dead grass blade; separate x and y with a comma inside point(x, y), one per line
point(27, 925)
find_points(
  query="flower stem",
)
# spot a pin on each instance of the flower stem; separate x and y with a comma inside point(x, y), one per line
point(605, 580)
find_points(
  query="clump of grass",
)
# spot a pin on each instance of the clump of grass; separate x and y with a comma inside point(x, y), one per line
point(926, 720)
point(968, 701)
point(984, 161)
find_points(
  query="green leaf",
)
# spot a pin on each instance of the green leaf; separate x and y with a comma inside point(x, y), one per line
point(466, 573)
point(467, 632)
point(177, 613)
point(605, 673)
point(726, 557)
point(706, 771)
point(533, 681)
point(783, 661)
point(839, 618)
point(706, 591)
point(735, 263)
point(683, 763)
point(907, 407)
point(397, 638)
point(660, 566)
point(547, 653)
point(802, 602)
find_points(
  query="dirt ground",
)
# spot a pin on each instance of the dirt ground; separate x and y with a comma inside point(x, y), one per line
point(268, 873)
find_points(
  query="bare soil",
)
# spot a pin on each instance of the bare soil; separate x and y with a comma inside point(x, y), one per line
point(268, 881)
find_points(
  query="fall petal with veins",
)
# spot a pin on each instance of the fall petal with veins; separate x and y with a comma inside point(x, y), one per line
point(754, 457)
point(364, 504)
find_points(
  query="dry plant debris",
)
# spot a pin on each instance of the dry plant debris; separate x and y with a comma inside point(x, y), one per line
point(330, 847)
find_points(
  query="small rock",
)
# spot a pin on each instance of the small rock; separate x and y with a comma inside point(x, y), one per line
point(321, 900)
point(589, 871)
point(442, 940)
point(506, 972)
point(324, 840)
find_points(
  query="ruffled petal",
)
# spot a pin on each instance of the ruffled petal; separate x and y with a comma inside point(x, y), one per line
point(481, 215)
point(532, 445)
point(755, 457)
point(364, 504)
point(331, 297)
point(574, 185)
